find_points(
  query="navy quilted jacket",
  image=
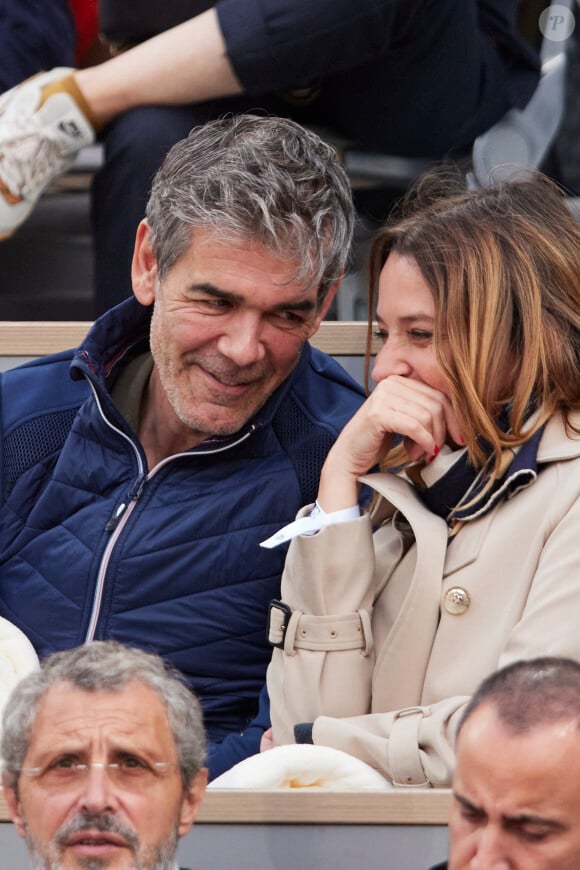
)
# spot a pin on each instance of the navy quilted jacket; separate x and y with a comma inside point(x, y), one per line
point(95, 545)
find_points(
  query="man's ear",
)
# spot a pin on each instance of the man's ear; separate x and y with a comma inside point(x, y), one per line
point(144, 266)
point(192, 802)
point(322, 311)
point(14, 807)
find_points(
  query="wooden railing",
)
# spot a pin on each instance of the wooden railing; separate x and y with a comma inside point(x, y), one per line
point(317, 807)
point(36, 338)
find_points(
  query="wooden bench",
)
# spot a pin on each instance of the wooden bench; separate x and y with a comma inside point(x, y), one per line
point(35, 338)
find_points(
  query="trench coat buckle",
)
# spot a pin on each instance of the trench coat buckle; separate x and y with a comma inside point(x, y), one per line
point(279, 615)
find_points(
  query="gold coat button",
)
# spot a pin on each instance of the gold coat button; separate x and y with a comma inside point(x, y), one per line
point(456, 600)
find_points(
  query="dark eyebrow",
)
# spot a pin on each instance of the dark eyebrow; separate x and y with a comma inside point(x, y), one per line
point(512, 821)
point(467, 805)
point(410, 318)
point(305, 305)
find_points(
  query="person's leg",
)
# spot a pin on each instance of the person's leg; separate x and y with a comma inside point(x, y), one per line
point(34, 35)
point(440, 83)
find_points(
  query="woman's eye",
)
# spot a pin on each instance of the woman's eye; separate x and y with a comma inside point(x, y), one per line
point(421, 335)
point(381, 333)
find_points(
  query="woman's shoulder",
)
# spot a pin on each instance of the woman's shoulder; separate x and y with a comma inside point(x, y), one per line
point(560, 441)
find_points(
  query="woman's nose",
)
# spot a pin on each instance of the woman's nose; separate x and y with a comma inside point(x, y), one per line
point(390, 360)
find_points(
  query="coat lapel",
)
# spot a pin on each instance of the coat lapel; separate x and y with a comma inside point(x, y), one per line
point(406, 650)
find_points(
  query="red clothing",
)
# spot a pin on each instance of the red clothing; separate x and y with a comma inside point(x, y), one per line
point(86, 16)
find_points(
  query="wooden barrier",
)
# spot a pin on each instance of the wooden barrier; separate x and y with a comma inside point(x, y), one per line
point(319, 807)
point(310, 828)
point(36, 338)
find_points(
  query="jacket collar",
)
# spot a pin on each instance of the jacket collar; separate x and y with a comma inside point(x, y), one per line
point(557, 444)
point(549, 444)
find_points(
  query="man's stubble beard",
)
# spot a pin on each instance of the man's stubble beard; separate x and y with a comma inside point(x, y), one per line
point(160, 856)
point(173, 378)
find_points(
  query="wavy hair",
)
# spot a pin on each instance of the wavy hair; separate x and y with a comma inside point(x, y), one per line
point(265, 179)
point(503, 265)
point(104, 666)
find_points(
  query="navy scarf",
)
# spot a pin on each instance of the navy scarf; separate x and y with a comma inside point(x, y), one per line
point(463, 484)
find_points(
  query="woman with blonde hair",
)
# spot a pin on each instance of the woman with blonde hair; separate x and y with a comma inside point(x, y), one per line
point(469, 558)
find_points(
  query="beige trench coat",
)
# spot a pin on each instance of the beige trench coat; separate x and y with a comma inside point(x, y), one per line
point(382, 651)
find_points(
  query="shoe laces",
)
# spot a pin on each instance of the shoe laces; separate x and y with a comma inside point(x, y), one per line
point(30, 155)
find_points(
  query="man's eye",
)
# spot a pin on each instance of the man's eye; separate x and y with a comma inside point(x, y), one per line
point(290, 317)
point(534, 835)
point(66, 762)
point(471, 816)
point(215, 303)
point(131, 762)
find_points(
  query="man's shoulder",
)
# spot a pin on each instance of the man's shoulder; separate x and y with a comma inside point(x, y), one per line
point(41, 386)
point(327, 391)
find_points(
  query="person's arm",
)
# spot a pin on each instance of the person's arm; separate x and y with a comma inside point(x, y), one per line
point(237, 746)
point(250, 46)
point(331, 689)
point(279, 44)
point(186, 64)
point(400, 406)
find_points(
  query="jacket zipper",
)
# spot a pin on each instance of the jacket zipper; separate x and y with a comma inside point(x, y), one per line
point(118, 520)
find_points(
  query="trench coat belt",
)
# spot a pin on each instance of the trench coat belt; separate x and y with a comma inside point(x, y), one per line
point(292, 630)
point(404, 756)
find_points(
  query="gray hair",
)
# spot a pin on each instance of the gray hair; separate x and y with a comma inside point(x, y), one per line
point(263, 179)
point(531, 693)
point(104, 666)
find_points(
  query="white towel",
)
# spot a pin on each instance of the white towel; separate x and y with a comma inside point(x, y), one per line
point(17, 658)
point(302, 765)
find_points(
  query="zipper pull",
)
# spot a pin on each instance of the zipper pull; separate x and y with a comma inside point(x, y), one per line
point(113, 521)
point(132, 495)
point(137, 489)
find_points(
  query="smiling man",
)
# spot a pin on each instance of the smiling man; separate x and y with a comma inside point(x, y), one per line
point(103, 753)
point(141, 471)
point(516, 791)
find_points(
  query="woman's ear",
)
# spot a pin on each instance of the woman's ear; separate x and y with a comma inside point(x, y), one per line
point(144, 266)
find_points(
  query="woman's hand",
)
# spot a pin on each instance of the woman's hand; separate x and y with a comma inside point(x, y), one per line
point(267, 740)
point(397, 405)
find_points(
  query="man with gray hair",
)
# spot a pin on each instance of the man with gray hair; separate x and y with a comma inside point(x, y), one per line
point(103, 760)
point(516, 790)
point(141, 471)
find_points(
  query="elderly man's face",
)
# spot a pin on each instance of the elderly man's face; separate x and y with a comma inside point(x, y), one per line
point(516, 797)
point(126, 817)
point(228, 327)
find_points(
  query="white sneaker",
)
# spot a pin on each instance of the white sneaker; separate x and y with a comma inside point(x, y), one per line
point(42, 129)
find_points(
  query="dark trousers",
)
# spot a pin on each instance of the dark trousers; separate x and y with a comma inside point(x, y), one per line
point(34, 35)
point(439, 84)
